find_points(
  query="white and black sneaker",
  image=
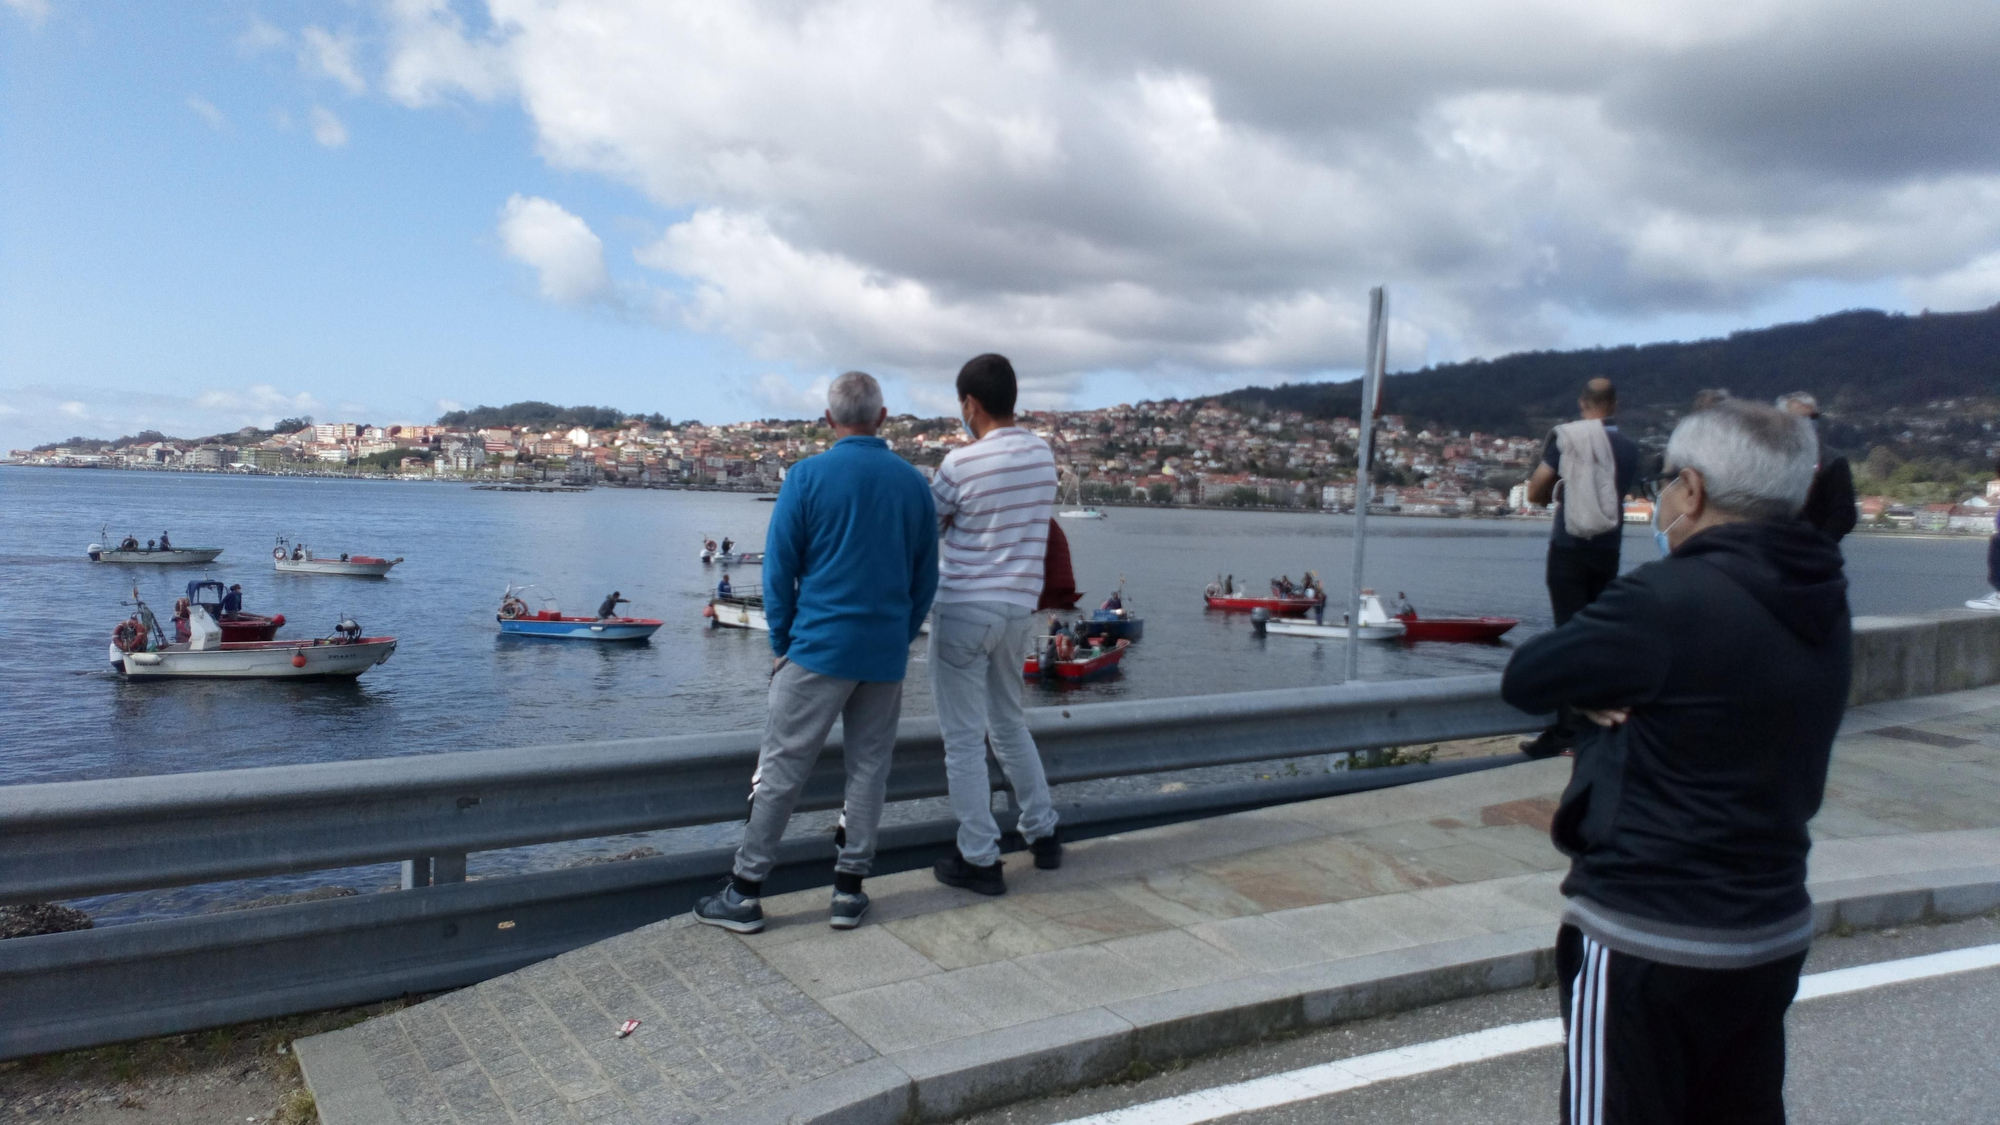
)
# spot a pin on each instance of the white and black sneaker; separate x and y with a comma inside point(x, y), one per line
point(732, 910)
point(1990, 603)
point(848, 907)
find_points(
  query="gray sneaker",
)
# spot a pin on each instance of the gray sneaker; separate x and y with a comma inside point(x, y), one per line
point(1990, 603)
point(731, 911)
point(848, 909)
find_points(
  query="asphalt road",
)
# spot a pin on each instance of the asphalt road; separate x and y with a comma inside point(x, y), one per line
point(1916, 1053)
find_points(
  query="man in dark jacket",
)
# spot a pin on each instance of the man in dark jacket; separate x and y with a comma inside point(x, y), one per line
point(1715, 680)
point(1830, 505)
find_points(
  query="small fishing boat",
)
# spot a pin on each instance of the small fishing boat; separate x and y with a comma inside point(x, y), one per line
point(1072, 495)
point(711, 554)
point(1418, 628)
point(517, 620)
point(1375, 625)
point(128, 550)
point(137, 654)
point(1084, 513)
point(1063, 662)
point(1120, 624)
point(239, 626)
point(1277, 606)
point(741, 608)
point(297, 558)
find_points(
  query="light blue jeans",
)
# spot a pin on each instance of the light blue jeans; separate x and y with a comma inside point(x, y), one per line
point(976, 654)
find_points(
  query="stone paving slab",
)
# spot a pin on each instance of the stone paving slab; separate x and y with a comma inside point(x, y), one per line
point(1134, 945)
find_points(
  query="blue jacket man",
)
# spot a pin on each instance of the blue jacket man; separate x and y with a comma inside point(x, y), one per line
point(850, 567)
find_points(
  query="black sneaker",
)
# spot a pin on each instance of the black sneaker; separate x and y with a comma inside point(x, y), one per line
point(848, 909)
point(1547, 744)
point(953, 871)
point(1047, 852)
point(731, 910)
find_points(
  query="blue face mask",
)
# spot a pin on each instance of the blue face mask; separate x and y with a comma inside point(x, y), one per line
point(1660, 533)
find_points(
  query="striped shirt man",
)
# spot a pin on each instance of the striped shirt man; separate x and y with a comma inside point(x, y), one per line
point(995, 498)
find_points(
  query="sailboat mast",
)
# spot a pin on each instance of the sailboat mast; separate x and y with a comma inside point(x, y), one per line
point(1371, 382)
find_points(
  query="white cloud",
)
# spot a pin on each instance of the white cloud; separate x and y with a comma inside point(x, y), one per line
point(74, 409)
point(324, 54)
point(260, 37)
point(1975, 285)
point(36, 12)
point(327, 128)
point(1182, 189)
point(566, 254)
point(435, 56)
point(36, 414)
point(447, 405)
point(206, 110)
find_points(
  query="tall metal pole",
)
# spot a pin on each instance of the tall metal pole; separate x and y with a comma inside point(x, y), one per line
point(1371, 381)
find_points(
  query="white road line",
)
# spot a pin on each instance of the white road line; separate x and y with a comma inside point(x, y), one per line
point(1840, 981)
point(1442, 1054)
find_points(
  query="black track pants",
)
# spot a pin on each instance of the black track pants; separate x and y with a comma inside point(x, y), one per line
point(1654, 1044)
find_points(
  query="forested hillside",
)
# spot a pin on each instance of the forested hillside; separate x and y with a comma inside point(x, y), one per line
point(1861, 365)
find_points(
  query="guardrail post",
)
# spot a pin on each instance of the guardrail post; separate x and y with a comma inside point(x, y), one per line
point(416, 873)
point(448, 868)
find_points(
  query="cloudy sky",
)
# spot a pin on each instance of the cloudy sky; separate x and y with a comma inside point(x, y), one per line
point(219, 214)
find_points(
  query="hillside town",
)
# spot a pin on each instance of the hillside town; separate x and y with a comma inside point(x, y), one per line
point(1160, 453)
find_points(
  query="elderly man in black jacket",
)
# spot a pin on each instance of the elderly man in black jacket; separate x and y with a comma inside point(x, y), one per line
point(1716, 679)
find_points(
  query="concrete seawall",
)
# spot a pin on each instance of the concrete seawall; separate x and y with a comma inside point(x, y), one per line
point(1924, 654)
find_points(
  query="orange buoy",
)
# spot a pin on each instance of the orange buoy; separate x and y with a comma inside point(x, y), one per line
point(298, 660)
point(277, 621)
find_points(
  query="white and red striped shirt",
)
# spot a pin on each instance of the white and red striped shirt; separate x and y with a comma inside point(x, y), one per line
point(995, 498)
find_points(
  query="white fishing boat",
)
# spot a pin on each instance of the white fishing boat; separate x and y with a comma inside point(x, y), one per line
point(297, 558)
point(743, 608)
point(128, 550)
point(136, 655)
point(1375, 625)
point(1085, 513)
point(711, 554)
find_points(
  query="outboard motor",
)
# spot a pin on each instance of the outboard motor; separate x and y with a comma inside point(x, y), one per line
point(347, 631)
point(1259, 618)
point(94, 551)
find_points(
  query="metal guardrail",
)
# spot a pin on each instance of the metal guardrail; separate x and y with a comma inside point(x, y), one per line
point(70, 839)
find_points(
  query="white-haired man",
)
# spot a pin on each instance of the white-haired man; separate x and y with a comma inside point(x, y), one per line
point(1715, 680)
point(850, 567)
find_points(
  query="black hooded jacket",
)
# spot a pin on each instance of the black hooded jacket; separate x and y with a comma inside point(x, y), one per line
point(1686, 825)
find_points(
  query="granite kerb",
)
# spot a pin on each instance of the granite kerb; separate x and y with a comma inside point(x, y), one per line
point(1097, 1045)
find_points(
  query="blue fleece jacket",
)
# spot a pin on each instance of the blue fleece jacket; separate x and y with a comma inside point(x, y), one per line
point(850, 562)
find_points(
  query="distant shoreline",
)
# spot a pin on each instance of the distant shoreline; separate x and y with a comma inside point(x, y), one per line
point(529, 482)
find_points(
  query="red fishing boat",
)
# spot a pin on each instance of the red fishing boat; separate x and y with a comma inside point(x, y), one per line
point(1080, 664)
point(1417, 628)
point(1243, 603)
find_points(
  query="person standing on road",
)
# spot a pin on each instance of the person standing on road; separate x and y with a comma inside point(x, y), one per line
point(1602, 468)
point(995, 502)
point(1715, 681)
point(850, 566)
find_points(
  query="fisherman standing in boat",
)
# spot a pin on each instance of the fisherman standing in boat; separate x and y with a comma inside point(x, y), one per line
point(850, 565)
point(232, 602)
point(608, 609)
point(166, 546)
point(727, 544)
point(723, 589)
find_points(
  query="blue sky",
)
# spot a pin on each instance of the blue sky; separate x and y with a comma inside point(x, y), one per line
point(220, 214)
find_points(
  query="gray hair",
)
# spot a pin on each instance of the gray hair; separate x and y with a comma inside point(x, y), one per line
point(1757, 461)
point(855, 399)
point(1800, 398)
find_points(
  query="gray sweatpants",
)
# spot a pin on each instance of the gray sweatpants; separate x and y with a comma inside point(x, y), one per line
point(803, 707)
point(976, 654)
